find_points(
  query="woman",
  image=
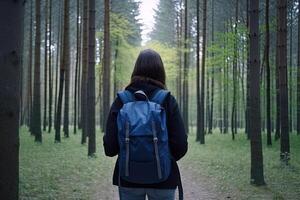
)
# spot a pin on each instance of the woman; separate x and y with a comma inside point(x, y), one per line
point(149, 76)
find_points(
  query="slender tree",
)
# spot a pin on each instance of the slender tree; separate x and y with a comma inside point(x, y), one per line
point(290, 68)
point(79, 72)
point(76, 64)
point(257, 173)
point(84, 73)
point(11, 12)
point(185, 69)
point(207, 101)
point(268, 72)
point(212, 71)
point(115, 66)
point(50, 70)
point(179, 52)
point(63, 65)
point(29, 78)
point(180, 94)
point(298, 74)
point(282, 69)
point(235, 60)
point(45, 66)
point(106, 63)
point(36, 109)
point(277, 130)
point(247, 72)
point(226, 66)
point(58, 57)
point(67, 77)
point(198, 73)
point(202, 138)
point(91, 81)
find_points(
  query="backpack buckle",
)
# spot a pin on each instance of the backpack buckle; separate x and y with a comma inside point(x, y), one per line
point(155, 139)
point(126, 140)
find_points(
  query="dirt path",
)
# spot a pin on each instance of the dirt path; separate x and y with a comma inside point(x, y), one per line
point(195, 188)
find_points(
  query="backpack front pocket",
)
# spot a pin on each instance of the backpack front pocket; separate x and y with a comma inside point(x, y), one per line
point(143, 172)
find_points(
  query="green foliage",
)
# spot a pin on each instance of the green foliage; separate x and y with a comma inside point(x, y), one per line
point(125, 62)
point(169, 58)
point(164, 29)
point(120, 27)
point(129, 10)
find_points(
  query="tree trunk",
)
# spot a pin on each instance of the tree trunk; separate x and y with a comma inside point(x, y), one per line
point(257, 172)
point(29, 79)
point(79, 75)
point(66, 62)
point(11, 12)
point(91, 81)
point(235, 58)
point(50, 70)
point(180, 95)
point(45, 66)
point(101, 120)
point(178, 34)
point(67, 94)
point(298, 74)
point(277, 131)
point(207, 104)
point(64, 65)
point(212, 74)
point(185, 69)
point(283, 89)
point(36, 110)
point(106, 63)
point(247, 78)
point(115, 67)
point(198, 135)
point(278, 125)
point(58, 58)
point(267, 60)
point(76, 66)
point(202, 138)
point(226, 66)
point(84, 73)
point(291, 68)
point(242, 75)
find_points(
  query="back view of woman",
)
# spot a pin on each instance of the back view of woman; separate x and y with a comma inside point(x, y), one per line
point(136, 181)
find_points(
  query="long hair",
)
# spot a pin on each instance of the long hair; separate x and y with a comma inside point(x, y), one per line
point(149, 67)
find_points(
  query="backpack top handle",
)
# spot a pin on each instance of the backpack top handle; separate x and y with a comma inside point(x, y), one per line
point(158, 97)
point(141, 95)
point(127, 96)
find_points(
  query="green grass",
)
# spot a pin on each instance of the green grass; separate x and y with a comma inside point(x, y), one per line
point(63, 170)
point(225, 164)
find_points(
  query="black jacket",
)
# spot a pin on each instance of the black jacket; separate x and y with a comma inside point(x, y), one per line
point(177, 136)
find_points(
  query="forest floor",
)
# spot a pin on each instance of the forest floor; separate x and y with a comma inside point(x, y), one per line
point(220, 169)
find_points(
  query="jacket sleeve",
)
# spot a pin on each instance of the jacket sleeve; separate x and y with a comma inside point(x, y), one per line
point(110, 138)
point(177, 134)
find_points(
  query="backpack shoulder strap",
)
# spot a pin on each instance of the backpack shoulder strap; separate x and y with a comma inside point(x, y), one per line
point(125, 96)
point(160, 95)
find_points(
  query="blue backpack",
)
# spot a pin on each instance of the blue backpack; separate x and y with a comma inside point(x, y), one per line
point(144, 156)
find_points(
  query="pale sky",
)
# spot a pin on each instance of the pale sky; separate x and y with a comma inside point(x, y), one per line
point(147, 17)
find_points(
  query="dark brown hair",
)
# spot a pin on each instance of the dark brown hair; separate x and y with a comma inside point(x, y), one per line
point(149, 66)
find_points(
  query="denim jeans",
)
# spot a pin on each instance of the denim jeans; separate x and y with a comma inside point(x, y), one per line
point(140, 193)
